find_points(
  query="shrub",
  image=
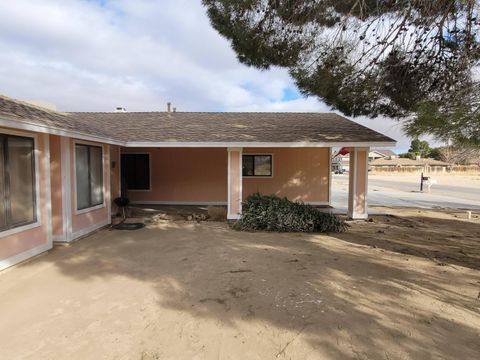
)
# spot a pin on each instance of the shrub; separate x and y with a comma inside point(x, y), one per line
point(271, 213)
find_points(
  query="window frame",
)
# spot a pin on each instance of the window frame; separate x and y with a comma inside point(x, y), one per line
point(94, 207)
point(258, 176)
point(37, 221)
point(149, 169)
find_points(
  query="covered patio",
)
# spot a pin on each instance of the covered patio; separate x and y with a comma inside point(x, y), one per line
point(183, 158)
point(226, 176)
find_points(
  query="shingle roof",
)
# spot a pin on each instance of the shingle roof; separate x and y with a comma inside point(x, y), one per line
point(385, 152)
point(199, 126)
point(24, 112)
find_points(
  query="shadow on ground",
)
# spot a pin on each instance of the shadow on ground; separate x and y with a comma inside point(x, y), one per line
point(303, 296)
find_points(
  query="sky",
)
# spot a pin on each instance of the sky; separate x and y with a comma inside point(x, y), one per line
point(95, 55)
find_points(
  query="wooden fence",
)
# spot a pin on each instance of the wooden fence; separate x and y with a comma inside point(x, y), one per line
point(454, 169)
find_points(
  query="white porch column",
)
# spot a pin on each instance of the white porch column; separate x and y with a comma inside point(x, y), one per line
point(358, 183)
point(234, 183)
point(66, 159)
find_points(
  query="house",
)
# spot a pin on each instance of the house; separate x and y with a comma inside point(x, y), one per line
point(420, 165)
point(60, 171)
point(381, 154)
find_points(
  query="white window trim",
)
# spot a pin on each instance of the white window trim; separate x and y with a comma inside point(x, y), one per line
point(37, 185)
point(96, 207)
point(20, 229)
point(65, 151)
point(258, 176)
point(149, 169)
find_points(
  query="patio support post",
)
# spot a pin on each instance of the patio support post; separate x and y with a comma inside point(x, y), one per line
point(358, 183)
point(234, 183)
point(66, 164)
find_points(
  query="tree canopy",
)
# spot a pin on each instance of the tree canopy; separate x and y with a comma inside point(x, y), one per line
point(419, 147)
point(409, 59)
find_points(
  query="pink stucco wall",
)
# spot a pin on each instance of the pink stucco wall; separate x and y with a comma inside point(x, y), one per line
point(91, 218)
point(200, 175)
point(56, 184)
point(23, 241)
point(115, 170)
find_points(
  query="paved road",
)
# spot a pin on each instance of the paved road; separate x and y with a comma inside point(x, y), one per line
point(404, 191)
point(464, 191)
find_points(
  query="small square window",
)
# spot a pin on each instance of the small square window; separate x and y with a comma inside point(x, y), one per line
point(257, 165)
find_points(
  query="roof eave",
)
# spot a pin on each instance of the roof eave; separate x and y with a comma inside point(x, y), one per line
point(25, 124)
point(30, 125)
point(258, 144)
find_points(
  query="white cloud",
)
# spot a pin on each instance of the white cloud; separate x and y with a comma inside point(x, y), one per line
point(87, 55)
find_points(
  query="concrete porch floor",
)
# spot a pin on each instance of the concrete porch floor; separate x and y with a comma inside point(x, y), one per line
point(167, 212)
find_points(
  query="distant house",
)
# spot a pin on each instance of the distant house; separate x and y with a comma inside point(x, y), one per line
point(392, 164)
point(381, 154)
point(341, 162)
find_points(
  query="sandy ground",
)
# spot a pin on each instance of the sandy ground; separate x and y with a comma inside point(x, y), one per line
point(399, 287)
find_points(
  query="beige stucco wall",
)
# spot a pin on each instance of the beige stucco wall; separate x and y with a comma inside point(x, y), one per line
point(184, 175)
point(298, 173)
point(25, 241)
point(200, 175)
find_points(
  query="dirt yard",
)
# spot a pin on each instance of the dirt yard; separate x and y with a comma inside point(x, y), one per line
point(399, 287)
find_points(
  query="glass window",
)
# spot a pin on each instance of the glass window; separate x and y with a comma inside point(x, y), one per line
point(247, 165)
point(96, 175)
point(82, 178)
point(89, 175)
point(257, 165)
point(17, 181)
point(136, 171)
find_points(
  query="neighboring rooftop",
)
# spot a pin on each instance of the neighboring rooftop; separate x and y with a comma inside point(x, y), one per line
point(385, 152)
point(407, 162)
point(204, 127)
